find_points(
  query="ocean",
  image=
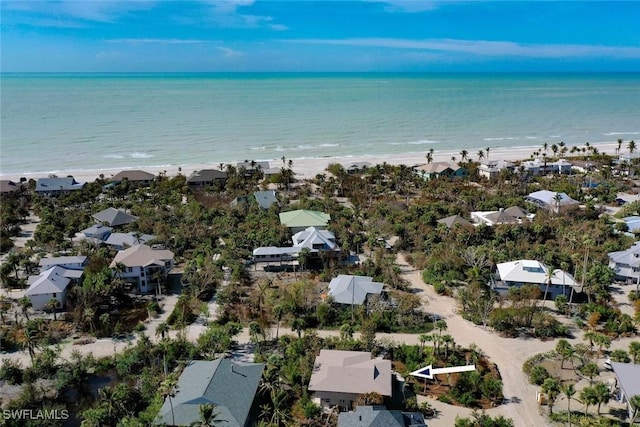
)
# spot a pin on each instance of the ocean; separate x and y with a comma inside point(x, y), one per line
point(51, 123)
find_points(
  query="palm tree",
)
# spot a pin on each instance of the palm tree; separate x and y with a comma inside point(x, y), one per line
point(631, 146)
point(551, 387)
point(569, 391)
point(619, 146)
point(589, 397)
point(634, 351)
point(634, 401)
point(169, 388)
point(209, 417)
point(487, 151)
point(548, 278)
point(52, 305)
point(464, 155)
point(565, 351)
point(162, 329)
point(480, 155)
point(430, 155)
point(602, 393)
point(25, 304)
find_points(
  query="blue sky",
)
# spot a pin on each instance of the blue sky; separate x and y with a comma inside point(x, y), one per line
point(278, 35)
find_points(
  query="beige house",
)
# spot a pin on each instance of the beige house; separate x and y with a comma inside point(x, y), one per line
point(142, 265)
point(339, 377)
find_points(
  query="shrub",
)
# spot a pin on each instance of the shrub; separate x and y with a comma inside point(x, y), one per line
point(538, 374)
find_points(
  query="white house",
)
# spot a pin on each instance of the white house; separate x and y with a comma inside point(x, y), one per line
point(120, 241)
point(531, 272)
point(626, 264)
point(141, 265)
point(552, 200)
point(339, 377)
point(68, 262)
point(317, 241)
point(51, 284)
point(627, 382)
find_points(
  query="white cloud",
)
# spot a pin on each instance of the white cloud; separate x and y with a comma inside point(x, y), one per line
point(160, 41)
point(230, 53)
point(486, 47)
point(106, 55)
point(408, 6)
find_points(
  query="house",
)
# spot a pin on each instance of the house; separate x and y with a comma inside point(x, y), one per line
point(512, 215)
point(120, 241)
point(356, 167)
point(137, 177)
point(206, 177)
point(530, 272)
point(266, 198)
point(552, 200)
point(379, 416)
point(113, 217)
point(627, 383)
point(230, 386)
point(97, 232)
point(436, 170)
point(57, 186)
point(626, 264)
point(300, 219)
point(347, 289)
point(339, 377)
point(141, 266)
point(7, 186)
point(239, 201)
point(317, 241)
point(633, 223)
point(67, 262)
point(455, 221)
point(491, 169)
point(252, 168)
point(51, 284)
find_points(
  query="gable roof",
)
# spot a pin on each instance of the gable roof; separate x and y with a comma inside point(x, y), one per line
point(61, 260)
point(266, 198)
point(128, 239)
point(630, 257)
point(7, 186)
point(206, 175)
point(534, 272)
point(547, 197)
point(304, 218)
point(141, 256)
point(517, 212)
point(229, 385)
point(312, 237)
point(350, 372)
point(113, 217)
point(437, 167)
point(628, 377)
point(97, 230)
point(67, 183)
point(54, 280)
point(501, 217)
point(133, 175)
point(379, 416)
point(455, 220)
point(347, 289)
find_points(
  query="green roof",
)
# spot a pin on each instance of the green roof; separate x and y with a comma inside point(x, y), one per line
point(230, 386)
point(304, 218)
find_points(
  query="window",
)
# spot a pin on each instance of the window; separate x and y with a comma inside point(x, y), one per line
point(55, 295)
point(130, 269)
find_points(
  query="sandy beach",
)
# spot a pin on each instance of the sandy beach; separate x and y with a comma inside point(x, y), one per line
point(308, 168)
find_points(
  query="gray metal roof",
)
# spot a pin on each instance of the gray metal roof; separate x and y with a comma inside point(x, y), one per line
point(68, 183)
point(128, 239)
point(206, 175)
point(62, 260)
point(230, 386)
point(266, 198)
point(628, 377)
point(113, 217)
point(379, 416)
point(346, 289)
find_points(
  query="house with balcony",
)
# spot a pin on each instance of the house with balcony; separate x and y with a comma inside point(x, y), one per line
point(52, 283)
point(516, 274)
point(142, 266)
point(339, 377)
point(626, 264)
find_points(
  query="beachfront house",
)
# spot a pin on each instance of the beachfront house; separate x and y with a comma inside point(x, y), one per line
point(8, 186)
point(380, 416)
point(356, 167)
point(205, 178)
point(551, 200)
point(339, 377)
point(55, 186)
point(142, 266)
point(229, 386)
point(251, 168)
point(353, 290)
point(301, 219)
point(136, 177)
point(626, 264)
point(435, 170)
point(51, 283)
point(515, 274)
point(113, 217)
point(627, 384)
point(492, 169)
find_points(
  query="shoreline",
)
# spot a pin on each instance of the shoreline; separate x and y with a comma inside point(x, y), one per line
point(306, 168)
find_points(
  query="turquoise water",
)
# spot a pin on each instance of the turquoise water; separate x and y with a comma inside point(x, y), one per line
point(64, 122)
